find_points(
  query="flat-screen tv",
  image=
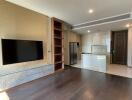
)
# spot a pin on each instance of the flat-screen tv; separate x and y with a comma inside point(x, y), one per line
point(16, 51)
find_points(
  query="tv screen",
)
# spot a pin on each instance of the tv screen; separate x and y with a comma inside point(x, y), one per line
point(16, 51)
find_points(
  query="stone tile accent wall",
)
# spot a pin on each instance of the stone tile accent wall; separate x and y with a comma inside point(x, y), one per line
point(13, 79)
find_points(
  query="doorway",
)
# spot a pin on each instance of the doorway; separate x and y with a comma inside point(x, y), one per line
point(119, 47)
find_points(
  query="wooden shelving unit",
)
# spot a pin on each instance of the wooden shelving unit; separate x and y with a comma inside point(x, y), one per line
point(57, 28)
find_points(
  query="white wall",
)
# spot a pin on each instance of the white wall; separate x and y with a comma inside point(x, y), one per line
point(99, 38)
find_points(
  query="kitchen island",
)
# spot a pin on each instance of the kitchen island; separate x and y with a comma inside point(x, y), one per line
point(96, 62)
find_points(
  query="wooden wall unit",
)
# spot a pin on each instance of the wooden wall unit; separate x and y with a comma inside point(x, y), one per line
point(20, 23)
point(58, 38)
point(70, 36)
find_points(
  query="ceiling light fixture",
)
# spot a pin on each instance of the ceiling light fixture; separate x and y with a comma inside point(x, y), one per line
point(89, 31)
point(90, 11)
point(127, 25)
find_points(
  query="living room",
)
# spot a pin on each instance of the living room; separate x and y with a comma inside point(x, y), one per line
point(70, 50)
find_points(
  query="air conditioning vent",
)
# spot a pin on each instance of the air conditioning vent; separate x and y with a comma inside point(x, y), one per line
point(103, 21)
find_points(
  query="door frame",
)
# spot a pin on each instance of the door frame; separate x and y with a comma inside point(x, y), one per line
point(112, 44)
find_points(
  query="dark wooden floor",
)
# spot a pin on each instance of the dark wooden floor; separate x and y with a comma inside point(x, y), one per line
point(75, 84)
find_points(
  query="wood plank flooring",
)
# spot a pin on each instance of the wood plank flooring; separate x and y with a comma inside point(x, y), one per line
point(74, 84)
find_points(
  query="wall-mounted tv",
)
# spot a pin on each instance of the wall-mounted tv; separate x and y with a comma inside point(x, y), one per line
point(16, 51)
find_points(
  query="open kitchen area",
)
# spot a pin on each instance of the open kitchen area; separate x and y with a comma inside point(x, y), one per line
point(96, 55)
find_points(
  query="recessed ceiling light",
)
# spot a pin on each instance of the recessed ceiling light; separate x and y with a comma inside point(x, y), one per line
point(127, 25)
point(89, 31)
point(91, 11)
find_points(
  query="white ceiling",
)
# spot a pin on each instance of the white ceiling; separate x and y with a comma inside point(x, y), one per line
point(76, 11)
point(121, 25)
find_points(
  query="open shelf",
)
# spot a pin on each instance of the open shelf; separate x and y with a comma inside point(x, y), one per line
point(58, 43)
point(57, 29)
point(58, 62)
point(57, 33)
point(58, 66)
point(57, 37)
point(58, 54)
point(58, 50)
point(58, 58)
point(57, 25)
point(59, 46)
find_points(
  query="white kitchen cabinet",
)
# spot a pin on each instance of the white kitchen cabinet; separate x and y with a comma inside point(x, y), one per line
point(94, 62)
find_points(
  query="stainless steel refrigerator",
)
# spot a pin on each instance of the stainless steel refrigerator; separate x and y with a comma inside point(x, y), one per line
point(73, 52)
